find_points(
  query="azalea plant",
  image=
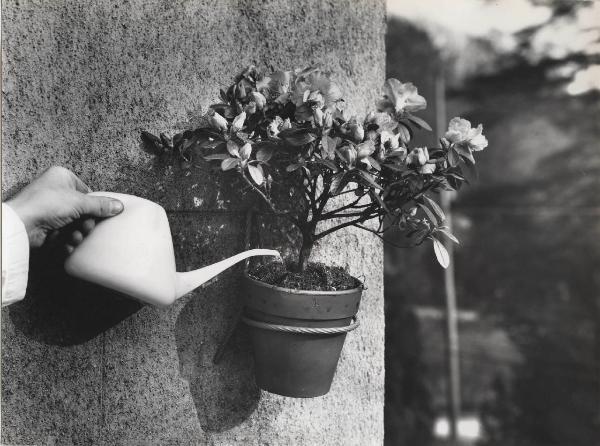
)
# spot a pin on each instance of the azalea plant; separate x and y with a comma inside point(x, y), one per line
point(287, 137)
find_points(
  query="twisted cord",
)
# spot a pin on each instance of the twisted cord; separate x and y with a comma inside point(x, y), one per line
point(304, 330)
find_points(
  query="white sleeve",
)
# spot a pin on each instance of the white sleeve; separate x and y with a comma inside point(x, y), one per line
point(15, 257)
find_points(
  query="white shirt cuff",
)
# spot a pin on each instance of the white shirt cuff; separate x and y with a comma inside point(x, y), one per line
point(15, 257)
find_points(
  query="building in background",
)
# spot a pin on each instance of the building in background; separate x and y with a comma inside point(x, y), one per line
point(529, 260)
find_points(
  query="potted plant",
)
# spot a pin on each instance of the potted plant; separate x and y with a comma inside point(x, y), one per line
point(286, 137)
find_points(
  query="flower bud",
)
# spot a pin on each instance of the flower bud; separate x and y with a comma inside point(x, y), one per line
point(349, 154)
point(250, 108)
point(427, 169)
point(287, 124)
point(328, 120)
point(238, 122)
point(217, 121)
point(259, 99)
point(358, 133)
point(318, 117)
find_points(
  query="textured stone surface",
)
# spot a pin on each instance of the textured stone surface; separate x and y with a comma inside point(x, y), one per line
point(84, 366)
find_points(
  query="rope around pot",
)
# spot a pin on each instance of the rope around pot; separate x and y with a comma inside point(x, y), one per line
point(303, 330)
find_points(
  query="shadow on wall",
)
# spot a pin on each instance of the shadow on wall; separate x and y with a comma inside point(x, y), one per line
point(61, 310)
point(225, 394)
point(64, 311)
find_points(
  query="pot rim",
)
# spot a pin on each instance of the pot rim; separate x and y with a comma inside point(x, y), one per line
point(360, 288)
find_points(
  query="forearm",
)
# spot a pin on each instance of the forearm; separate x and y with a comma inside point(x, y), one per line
point(15, 256)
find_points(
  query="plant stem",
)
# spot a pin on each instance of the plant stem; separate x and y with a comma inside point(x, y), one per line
point(267, 201)
point(344, 225)
point(308, 241)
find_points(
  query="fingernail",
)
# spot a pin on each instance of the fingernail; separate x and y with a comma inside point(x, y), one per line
point(115, 207)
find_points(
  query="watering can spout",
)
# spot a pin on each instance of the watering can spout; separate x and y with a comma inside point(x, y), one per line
point(189, 281)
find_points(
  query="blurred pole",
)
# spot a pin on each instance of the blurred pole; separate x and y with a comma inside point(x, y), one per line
point(452, 343)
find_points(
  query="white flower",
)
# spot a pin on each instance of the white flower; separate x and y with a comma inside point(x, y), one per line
point(427, 169)
point(258, 99)
point(399, 97)
point(418, 156)
point(274, 127)
point(358, 133)
point(238, 122)
point(287, 124)
point(389, 140)
point(461, 134)
point(318, 117)
point(217, 121)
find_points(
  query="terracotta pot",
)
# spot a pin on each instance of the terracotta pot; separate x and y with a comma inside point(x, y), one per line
point(297, 335)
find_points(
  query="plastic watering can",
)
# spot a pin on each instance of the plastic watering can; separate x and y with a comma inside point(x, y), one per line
point(133, 253)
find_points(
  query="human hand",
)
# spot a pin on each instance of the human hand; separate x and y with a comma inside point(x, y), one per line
point(57, 199)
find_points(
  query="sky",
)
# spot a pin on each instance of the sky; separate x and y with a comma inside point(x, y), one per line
point(451, 23)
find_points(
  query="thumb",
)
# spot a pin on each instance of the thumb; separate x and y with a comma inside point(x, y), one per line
point(99, 206)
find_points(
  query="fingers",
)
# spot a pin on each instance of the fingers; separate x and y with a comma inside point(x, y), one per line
point(87, 226)
point(75, 238)
point(99, 207)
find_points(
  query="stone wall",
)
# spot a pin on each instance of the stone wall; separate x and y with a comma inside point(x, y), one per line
point(83, 366)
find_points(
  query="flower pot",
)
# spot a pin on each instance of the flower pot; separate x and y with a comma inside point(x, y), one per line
point(297, 335)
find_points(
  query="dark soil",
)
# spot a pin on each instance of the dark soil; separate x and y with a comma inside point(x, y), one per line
point(317, 277)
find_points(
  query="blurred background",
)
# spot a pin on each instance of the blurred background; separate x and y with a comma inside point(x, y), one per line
point(519, 363)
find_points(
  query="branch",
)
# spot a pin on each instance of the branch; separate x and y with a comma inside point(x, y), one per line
point(346, 192)
point(343, 225)
point(324, 196)
point(312, 193)
point(346, 215)
point(331, 214)
point(267, 200)
point(378, 234)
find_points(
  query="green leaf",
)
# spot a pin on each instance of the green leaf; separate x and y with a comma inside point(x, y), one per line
point(436, 208)
point(374, 163)
point(216, 156)
point(338, 182)
point(396, 167)
point(265, 154)
point(256, 173)
point(404, 132)
point(441, 253)
point(297, 137)
point(468, 157)
point(224, 110)
point(453, 157)
point(327, 163)
point(223, 95)
point(465, 153)
point(151, 144)
point(369, 179)
point(448, 234)
point(209, 144)
point(329, 144)
point(165, 140)
point(233, 148)
point(432, 218)
point(293, 167)
point(229, 163)
point(419, 122)
point(380, 200)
